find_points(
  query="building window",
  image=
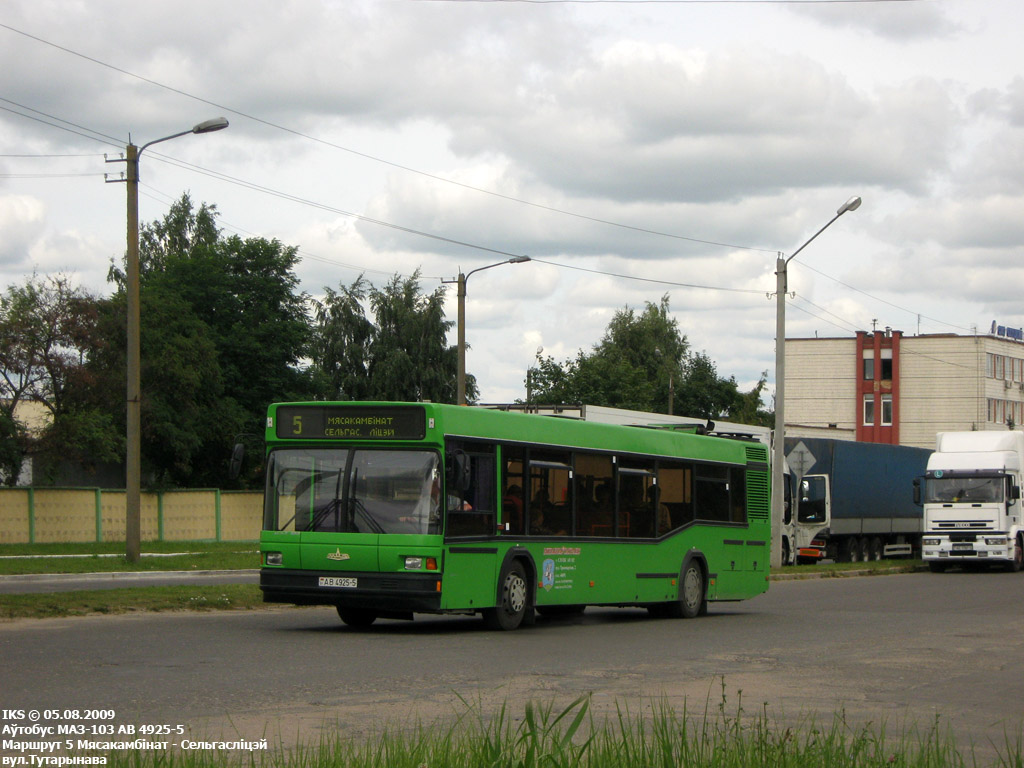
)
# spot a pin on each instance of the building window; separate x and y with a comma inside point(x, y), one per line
point(886, 365)
point(869, 365)
point(869, 410)
point(886, 410)
point(990, 366)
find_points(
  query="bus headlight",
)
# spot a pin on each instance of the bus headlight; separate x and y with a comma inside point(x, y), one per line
point(274, 558)
point(419, 563)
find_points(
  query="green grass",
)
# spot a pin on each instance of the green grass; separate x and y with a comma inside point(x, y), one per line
point(129, 600)
point(896, 565)
point(545, 736)
point(109, 557)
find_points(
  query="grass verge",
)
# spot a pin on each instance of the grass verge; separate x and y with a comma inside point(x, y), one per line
point(104, 557)
point(130, 600)
point(543, 735)
point(841, 569)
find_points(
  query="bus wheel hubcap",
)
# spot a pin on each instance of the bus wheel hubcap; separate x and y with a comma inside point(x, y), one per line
point(515, 593)
point(691, 588)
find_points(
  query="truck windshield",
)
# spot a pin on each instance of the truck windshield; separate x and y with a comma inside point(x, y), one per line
point(353, 491)
point(952, 489)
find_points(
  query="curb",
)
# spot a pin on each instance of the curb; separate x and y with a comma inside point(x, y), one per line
point(846, 574)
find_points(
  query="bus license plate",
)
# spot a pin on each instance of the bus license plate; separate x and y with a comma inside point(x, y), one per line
point(338, 581)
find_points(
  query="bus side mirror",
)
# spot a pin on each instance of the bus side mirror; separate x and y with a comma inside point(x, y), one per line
point(458, 471)
point(917, 491)
point(237, 459)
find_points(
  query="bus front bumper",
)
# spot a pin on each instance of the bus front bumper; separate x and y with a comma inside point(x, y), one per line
point(386, 592)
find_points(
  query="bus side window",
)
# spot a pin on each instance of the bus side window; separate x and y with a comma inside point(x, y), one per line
point(471, 512)
point(550, 507)
point(676, 484)
point(595, 501)
point(639, 498)
point(513, 509)
point(738, 495)
point(713, 493)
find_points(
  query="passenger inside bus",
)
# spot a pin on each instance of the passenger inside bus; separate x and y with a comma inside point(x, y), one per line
point(538, 527)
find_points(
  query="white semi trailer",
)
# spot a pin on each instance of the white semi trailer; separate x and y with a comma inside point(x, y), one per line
point(972, 501)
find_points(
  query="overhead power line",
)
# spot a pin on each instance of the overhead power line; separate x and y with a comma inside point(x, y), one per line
point(85, 132)
point(376, 159)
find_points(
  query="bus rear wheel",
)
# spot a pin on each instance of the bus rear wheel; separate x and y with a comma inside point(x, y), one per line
point(512, 605)
point(357, 617)
point(692, 600)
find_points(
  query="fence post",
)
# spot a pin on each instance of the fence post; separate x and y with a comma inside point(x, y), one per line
point(216, 496)
point(99, 515)
point(160, 515)
point(31, 515)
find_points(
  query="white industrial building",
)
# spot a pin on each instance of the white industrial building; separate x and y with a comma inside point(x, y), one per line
point(885, 387)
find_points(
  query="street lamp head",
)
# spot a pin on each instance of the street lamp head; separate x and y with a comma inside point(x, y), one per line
point(519, 259)
point(850, 205)
point(209, 126)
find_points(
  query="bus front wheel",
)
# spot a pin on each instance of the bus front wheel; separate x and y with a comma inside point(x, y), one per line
point(512, 599)
point(356, 617)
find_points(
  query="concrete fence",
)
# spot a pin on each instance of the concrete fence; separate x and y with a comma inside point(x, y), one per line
point(43, 515)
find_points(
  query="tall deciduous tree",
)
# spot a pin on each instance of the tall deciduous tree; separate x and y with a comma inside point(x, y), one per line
point(630, 368)
point(641, 357)
point(401, 354)
point(224, 331)
point(47, 327)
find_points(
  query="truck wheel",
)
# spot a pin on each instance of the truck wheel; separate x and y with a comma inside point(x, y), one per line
point(847, 550)
point(875, 549)
point(512, 600)
point(1015, 565)
point(785, 552)
point(862, 551)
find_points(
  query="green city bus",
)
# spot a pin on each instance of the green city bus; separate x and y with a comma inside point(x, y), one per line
point(384, 510)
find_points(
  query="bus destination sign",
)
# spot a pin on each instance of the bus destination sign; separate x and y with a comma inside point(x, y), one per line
point(325, 422)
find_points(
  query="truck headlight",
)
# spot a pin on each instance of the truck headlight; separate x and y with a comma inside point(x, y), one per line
point(997, 541)
point(413, 563)
point(930, 542)
point(274, 558)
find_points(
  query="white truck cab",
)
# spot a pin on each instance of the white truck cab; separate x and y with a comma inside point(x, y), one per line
point(972, 504)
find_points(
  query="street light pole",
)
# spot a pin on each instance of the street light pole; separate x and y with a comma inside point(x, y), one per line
point(460, 395)
point(133, 436)
point(778, 445)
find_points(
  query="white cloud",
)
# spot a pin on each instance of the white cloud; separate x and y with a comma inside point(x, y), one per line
point(738, 129)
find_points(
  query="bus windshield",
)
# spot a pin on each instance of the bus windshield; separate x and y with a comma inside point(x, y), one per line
point(353, 491)
point(972, 489)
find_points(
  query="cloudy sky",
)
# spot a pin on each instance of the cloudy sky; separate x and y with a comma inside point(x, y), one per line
point(631, 148)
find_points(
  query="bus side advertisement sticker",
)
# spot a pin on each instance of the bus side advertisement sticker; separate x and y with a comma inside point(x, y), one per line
point(558, 570)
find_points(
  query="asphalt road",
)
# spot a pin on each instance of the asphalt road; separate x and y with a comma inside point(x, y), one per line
point(900, 650)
